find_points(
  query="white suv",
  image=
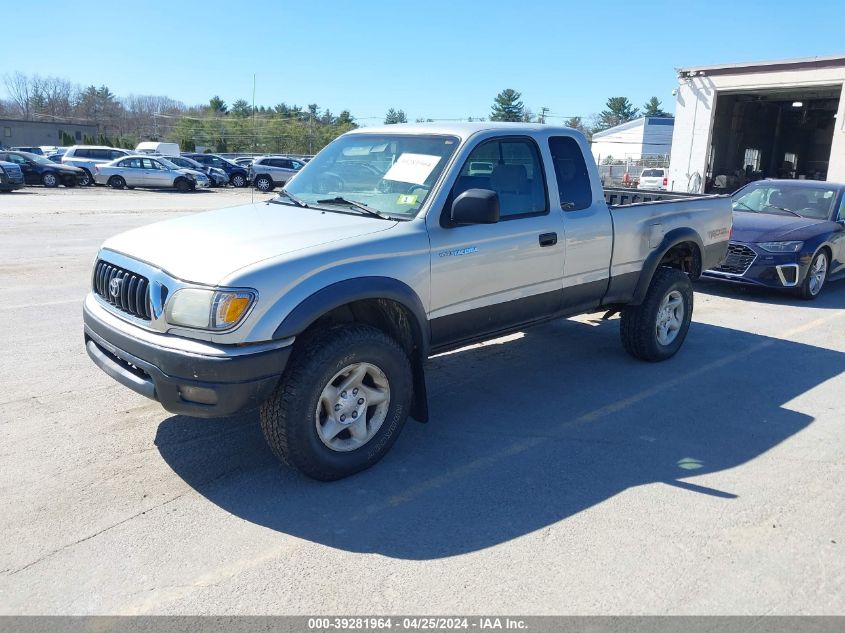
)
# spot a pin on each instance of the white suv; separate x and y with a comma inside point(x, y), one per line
point(654, 178)
point(267, 172)
point(86, 156)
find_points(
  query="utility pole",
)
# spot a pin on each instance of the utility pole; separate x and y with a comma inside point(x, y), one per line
point(543, 111)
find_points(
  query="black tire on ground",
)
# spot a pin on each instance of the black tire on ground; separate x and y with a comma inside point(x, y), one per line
point(88, 179)
point(811, 288)
point(639, 324)
point(182, 185)
point(289, 418)
point(117, 182)
point(264, 183)
point(238, 180)
point(50, 180)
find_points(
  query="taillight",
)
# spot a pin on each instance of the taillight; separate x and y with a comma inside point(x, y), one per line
point(665, 180)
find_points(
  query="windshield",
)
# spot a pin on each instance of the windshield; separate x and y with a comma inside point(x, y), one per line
point(390, 173)
point(168, 164)
point(786, 199)
point(35, 158)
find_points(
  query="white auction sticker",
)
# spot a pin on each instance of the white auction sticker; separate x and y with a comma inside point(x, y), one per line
point(413, 168)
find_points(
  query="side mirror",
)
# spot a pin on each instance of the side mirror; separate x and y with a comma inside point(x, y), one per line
point(476, 206)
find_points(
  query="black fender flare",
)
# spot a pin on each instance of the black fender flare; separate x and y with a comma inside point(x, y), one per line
point(360, 288)
point(670, 240)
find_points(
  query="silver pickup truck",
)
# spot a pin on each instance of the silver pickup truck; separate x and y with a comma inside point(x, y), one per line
point(322, 305)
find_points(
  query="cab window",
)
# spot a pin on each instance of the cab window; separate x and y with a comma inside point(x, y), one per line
point(573, 179)
point(516, 175)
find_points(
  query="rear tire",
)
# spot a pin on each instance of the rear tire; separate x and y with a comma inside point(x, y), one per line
point(306, 421)
point(656, 329)
point(117, 182)
point(815, 277)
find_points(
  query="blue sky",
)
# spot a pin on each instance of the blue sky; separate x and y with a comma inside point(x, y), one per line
point(438, 59)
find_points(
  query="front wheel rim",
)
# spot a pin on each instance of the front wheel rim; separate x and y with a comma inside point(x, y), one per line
point(670, 318)
point(49, 180)
point(352, 407)
point(818, 272)
point(238, 181)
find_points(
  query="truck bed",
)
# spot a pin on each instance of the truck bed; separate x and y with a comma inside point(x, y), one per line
point(621, 196)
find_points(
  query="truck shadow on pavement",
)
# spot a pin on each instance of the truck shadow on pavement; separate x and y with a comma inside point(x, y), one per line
point(524, 434)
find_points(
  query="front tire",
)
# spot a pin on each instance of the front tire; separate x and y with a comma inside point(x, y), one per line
point(815, 277)
point(341, 402)
point(238, 180)
point(50, 180)
point(182, 185)
point(264, 184)
point(87, 179)
point(656, 329)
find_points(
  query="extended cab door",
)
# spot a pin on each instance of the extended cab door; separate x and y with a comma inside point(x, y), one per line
point(490, 277)
point(588, 226)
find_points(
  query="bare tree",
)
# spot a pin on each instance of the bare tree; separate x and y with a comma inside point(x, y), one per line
point(19, 88)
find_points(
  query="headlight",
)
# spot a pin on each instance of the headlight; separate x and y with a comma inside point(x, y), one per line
point(781, 247)
point(208, 309)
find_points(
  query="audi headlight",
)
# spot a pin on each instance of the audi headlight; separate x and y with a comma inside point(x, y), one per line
point(781, 247)
point(208, 309)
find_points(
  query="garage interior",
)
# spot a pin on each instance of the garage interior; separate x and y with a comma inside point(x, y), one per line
point(784, 133)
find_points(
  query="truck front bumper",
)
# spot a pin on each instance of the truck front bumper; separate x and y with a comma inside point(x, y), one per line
point(187, 377)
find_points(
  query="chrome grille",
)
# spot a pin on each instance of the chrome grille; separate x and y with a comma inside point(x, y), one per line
point(125, 290)
point(738, 261)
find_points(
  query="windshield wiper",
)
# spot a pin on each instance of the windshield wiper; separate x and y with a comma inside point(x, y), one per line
point(774, 206)
point(357, 205)
point(745, 205)
point(292, 198)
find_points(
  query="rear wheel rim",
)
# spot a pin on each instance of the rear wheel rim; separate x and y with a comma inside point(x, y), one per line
point(818, 272)
point(670, 318)
point(352, 407)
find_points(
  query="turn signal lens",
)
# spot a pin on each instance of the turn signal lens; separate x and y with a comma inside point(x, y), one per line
point(229, 308)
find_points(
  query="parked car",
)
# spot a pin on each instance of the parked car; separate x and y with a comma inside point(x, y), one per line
point(49, 150)
point(87, 156)
point(38, 170)
point(217, 177)
point(30, 150)
point(155, 147)
point(786, 234)
point(148, 171)
point(654, 178)
point(244, 161)
point(268, 172)
point(322, 307)
point(237, 174)
point(11, 177)
point(56, 158)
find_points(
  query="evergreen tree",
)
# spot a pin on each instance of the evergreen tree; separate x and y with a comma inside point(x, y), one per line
point(395, 116)
point(507, 106)
point(653, 107)
point(619, 110)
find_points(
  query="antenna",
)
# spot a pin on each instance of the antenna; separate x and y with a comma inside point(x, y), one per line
point(254, 139)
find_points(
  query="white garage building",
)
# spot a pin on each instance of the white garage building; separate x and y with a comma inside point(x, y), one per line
point(648, 136)
point(773, 119)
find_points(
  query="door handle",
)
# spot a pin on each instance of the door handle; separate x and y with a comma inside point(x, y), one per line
point(548, 239)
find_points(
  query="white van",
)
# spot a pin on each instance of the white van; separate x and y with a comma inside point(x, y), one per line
point(154, 147)
point(654, 179)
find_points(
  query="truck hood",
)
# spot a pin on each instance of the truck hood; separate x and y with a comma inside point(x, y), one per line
point(207, 247)
point(769, 227)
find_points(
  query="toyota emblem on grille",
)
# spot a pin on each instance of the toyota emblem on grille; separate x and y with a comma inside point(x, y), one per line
point(114, 287)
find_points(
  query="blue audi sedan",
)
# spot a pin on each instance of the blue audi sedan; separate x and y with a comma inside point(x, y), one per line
point(787, 234)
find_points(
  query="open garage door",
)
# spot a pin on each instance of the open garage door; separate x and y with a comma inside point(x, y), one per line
point(784, 133)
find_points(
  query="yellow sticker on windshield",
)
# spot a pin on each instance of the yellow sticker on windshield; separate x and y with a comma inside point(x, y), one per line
point(406, 200)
